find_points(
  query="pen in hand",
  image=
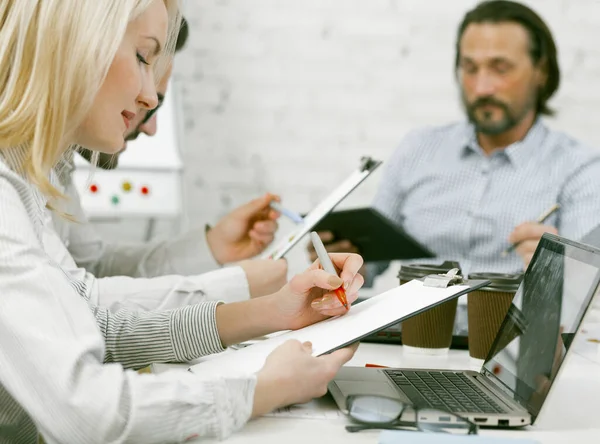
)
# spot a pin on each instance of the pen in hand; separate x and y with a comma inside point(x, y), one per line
point(328, 266)
point(295, 217)
point(541, 219)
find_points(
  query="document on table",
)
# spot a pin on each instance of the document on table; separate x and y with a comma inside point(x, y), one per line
point(361, 320)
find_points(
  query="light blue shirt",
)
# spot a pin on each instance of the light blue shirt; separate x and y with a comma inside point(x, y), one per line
point(462, 204)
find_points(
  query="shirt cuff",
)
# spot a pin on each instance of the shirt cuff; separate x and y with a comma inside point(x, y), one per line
point(194, 331)
point(205, 247)
point(233, 400)
point(187, 255)
point(229, 284)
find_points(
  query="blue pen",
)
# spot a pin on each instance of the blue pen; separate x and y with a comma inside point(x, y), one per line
point(294, 217)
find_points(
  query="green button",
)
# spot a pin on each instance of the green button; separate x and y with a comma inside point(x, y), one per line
point(115, 200)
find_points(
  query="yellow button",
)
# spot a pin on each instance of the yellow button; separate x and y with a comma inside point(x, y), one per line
point(127, 186)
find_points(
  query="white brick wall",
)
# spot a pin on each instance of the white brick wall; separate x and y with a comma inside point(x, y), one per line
point(285, 95)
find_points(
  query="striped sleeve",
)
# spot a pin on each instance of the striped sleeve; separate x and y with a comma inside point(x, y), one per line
point(137, 339)
point(580, 199)
point(405, 158)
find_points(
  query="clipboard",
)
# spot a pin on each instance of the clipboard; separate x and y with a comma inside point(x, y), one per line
point(367, 166)
point(376, 237)
point(368, 317)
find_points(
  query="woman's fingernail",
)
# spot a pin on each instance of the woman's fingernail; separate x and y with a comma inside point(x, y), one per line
point(324, 302)
point(347, 285)
point(335, 281)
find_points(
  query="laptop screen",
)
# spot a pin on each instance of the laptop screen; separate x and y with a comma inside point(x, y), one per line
point(546, 313)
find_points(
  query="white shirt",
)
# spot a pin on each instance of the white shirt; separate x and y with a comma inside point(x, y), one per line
point(186, 255)
point(62, 358)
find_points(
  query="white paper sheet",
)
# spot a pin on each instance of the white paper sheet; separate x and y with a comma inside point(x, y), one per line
point(362, 319)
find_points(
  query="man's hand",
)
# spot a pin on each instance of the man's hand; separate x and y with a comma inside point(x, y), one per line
point(245, 232)
point(527, 236)
point(265, 276)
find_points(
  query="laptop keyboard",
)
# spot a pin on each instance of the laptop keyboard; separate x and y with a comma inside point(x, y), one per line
point(443, 390)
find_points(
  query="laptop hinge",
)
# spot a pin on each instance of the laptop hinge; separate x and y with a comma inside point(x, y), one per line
point(493, 380)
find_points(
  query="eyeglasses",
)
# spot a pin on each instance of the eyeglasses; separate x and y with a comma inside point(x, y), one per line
point(151, 112)
point(380, 412)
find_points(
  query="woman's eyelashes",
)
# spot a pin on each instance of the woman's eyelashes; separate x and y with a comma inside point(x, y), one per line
point(142, 59)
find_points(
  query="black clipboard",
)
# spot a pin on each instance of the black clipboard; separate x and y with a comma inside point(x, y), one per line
point(376, 237)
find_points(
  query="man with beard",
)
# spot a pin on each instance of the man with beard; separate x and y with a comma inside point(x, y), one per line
point(469, 190)
point(195, 257)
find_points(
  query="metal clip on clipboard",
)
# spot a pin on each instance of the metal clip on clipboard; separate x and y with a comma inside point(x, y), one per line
point(443, 280)
point(368, 163)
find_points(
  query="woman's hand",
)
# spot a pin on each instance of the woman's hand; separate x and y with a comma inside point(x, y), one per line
point(306, 299)
point(291, 375)
point(309, 297)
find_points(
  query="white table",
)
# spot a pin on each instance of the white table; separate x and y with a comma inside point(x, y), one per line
point(571, 415)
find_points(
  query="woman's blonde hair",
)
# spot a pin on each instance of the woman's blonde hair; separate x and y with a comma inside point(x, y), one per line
point(54, 56)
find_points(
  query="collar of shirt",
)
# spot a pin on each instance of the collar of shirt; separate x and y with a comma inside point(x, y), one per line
point(65, 167)
point(15, 157)
point(517, 154)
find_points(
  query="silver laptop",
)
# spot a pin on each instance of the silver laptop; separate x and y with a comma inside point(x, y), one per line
point(524, 361)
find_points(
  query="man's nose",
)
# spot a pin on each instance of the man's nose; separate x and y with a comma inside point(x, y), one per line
point(149, 128)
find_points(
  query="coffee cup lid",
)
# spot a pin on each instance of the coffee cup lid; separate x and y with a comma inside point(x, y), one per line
point(416, 271)
point(503, 282)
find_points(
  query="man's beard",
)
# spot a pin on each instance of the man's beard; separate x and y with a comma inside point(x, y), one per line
point(109, 161)
point(510, 117)
point(134, 135)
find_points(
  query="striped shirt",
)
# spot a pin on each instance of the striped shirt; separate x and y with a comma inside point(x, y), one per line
point(62, 358)
point(462, 204)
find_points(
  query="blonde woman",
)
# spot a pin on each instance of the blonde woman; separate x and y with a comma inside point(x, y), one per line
point(75, 72)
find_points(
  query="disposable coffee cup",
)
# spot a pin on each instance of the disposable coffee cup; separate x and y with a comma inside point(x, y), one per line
point(429, 332)
point(487, 307)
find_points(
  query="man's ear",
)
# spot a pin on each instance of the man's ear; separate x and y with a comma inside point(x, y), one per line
point(541, 73)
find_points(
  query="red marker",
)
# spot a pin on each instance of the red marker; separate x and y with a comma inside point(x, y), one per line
point(376, 366)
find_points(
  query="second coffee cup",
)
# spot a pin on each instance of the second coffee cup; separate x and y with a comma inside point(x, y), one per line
point(487, 308)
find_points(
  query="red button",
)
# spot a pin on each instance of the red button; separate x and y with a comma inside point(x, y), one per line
point(94, 188)
point(145, 190)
